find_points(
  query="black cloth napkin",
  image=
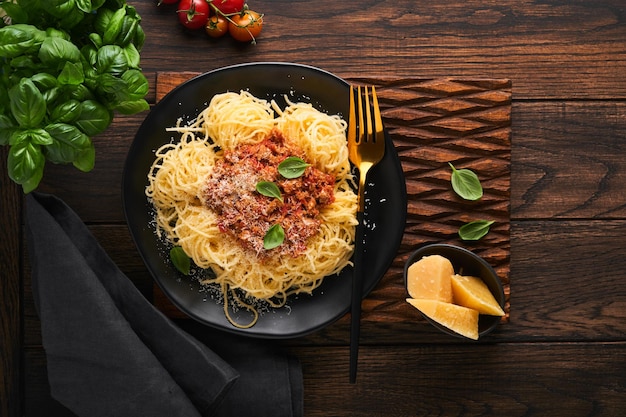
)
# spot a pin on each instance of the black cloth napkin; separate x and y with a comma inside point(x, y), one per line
point(111, 353)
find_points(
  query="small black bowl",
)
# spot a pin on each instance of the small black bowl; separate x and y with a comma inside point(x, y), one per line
point(464, 262)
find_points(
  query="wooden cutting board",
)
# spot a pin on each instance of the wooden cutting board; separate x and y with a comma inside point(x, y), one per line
point(434, 121)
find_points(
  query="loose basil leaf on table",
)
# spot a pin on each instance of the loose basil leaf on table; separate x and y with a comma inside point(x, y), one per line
point(475, 230)
point(466, 183)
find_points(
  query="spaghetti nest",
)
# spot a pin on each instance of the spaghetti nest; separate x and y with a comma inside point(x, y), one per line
point(179, 174)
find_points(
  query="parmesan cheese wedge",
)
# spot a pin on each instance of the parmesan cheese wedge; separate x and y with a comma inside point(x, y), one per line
point(459, 319)
point(472, 292)
point(430, 278)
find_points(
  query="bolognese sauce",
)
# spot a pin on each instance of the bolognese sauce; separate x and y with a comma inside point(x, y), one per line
point(247, 215)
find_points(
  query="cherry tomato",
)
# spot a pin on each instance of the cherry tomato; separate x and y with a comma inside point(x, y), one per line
point(246, 26)
point(228, 6)
point(217, 26)
point(193, 14)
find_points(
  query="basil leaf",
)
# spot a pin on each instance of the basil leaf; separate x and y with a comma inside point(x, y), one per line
point(132, 107)
point(68, 143)
point(44, 81)
point(27, 103)
point(274, 237)
point(111, 59)
point(93, 118)
point(56, 51)
point(181, 261)
point(127, 32)
point(57, 33)
point(139, 38)
point(474, 230)
point(85, 159)
point(292, 167)
point(71, 74)
point(103, 18)
point(137, 84)
point(66, 112)
point(114, 27)
point(25, 162)
point(269, 189)
point(34, 136)
point(132, 56)
point(20, 39)
point(111, 90)
point(466, 183)
point(84, 5)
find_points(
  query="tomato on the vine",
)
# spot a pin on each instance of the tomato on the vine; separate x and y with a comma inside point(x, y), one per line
point(246, 26)
point(228, 6)
point(217, 26)
point(193, 14)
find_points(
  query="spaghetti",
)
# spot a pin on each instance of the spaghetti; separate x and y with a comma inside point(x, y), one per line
point(187, 217)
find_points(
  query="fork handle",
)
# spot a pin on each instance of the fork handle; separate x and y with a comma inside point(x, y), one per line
point(357, 297)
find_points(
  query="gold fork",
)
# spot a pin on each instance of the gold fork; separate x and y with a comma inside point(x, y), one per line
point(366, 149)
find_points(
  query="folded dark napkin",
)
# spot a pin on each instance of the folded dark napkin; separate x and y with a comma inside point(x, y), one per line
point(111, 353)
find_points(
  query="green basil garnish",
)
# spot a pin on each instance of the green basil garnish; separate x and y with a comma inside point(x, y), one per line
point(274, 237)
point(181, 261)
point(269, 189)
point(466, 183)
point(475, 230)
point(292, 167)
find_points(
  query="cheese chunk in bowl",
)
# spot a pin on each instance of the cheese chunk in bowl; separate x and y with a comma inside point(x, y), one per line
point(476, 305)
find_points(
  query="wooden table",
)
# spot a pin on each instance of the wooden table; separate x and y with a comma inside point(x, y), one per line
point(561, 351)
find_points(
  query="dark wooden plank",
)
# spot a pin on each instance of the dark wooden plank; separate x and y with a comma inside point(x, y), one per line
point(10, 292)
point(568, 160)
point(549, 49)
point(555, 379)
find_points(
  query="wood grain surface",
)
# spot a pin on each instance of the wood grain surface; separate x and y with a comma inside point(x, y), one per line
point(562, 351)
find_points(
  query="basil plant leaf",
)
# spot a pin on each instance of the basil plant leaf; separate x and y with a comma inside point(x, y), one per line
point(71, 74)
point(25, 164)
point(137, 84)
point(111, 59)
point(69, 145)
point(20, 39)
point(132, 107)
point(56, 51)
point(475, 230)
point(292, 167)
point(27, 103)
point(93, 118)
point(114, 27)
point(103, 19)
point(269, 189)
point(181, 261)
point(274, 237)
point(132, 56)
point(466, 183)
point(66, 112)
point(84, 5)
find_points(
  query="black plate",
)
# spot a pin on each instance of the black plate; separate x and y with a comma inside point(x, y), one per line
point(303, 314)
